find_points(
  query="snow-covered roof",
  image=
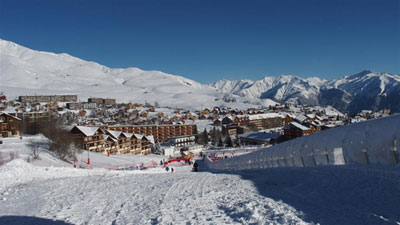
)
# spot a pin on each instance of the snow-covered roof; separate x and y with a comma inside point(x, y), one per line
point(259, 135)
point(128, 135)
point(114, 134)
point(298, 125)
point(301, 118)
point(138, 136)
point(110, 137)
point(3, 113)
point(311, 115)
point(87, 131)
point(150, 138)
point(261, 116)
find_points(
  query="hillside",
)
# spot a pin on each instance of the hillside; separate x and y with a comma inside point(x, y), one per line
point(26, 71)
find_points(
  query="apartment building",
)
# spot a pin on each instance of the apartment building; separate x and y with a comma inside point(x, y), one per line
point(159, 132)
point(48, 98)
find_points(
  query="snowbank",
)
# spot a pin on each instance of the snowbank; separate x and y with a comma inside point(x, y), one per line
point(370, 142)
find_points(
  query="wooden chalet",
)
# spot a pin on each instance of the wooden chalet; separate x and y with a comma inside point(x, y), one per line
point(9, 125)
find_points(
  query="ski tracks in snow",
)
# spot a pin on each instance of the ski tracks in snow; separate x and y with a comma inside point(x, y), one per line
point(125, 198)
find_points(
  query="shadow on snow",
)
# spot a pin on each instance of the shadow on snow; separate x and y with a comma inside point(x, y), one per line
point(332, 194)
point(29, 220)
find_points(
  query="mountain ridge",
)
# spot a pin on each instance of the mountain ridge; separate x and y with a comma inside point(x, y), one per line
point(39, 71)
point(350, 93)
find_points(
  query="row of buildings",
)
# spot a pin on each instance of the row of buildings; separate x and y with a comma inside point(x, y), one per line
point(100, 140)
point(131, 139)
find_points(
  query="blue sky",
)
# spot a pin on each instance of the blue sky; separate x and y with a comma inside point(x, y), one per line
point(211, 40)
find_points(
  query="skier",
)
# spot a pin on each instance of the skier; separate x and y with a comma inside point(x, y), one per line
point(172, 170)
point(195, 166)
point(167, 168)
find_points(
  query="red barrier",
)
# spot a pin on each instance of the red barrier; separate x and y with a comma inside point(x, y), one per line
point(176, 160)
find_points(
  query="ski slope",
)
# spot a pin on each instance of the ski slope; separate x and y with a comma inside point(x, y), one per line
point(126, 197)
point(50, 191)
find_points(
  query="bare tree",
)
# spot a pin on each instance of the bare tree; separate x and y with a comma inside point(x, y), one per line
point(60, 140)
point(34, 146)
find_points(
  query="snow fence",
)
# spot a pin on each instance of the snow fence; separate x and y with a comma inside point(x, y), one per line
point(371, 142)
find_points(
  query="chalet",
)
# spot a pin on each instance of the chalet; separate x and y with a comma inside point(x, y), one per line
point(114, 142)
point(9, 125)
point(294, 130)
point(227, 120)
point(233, 129)
point(217, 122)
point(92, 138)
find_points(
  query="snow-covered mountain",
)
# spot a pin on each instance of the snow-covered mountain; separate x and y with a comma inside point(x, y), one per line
point(284, 88)
point(368, 90)
point(365, 90)
point(26, 71)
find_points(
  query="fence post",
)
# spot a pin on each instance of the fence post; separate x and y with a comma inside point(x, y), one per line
point(395, 153)
point(313, 157)
point(364, 149)
point(284, 159)
point(327, 155)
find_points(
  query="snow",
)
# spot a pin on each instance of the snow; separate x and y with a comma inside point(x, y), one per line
point(373, 142)
point(88, 131)
point(27, 72)
point(298, 125)
point(259, 135)
point(37, 193)
point(104, 197)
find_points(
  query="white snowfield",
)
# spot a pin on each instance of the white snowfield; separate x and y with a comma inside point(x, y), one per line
point(370, 142)
point(78, 196)
point(26, 72)
point(50, 191)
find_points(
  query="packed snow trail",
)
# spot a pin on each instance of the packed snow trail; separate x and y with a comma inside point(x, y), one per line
point(126, 197)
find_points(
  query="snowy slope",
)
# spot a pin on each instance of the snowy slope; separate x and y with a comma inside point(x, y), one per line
point(313, 195)
point(26, 71)
point(127, 198)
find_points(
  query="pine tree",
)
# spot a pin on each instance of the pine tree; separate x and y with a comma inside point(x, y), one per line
point(214, 138)
point(205, 137)
point(220, 143)
point(228, 141)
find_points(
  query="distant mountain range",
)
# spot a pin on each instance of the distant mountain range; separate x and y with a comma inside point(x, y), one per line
point(365, 90)
point(26, 71)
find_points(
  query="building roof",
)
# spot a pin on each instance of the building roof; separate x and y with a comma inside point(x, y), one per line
point(110, 137)
point(138, 136)
point(87, 131)
point(301, 118)
point(14, 117)
point(301, 127)
point(261, 116)
point(259, 135)
point(150, 138)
